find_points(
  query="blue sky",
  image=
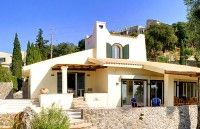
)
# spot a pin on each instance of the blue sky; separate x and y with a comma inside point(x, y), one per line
point(72, 20)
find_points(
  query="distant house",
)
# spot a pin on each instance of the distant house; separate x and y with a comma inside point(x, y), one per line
point(150, 22)
point(112, 70)
point(6, 58)
point(133, 29)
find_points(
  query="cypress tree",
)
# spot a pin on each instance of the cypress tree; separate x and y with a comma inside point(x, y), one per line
point(16, 67)
point(182, 53)
point(33, 54)
point(28, 60)
point(36, 54)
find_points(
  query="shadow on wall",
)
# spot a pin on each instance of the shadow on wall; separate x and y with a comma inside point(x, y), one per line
point(46, 82)
point(170, 111)
point(184, 117)
point(9, 95)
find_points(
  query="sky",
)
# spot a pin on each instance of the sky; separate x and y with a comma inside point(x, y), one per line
point(72, 20)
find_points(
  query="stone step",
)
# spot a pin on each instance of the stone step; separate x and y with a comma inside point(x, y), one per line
point(81, 126)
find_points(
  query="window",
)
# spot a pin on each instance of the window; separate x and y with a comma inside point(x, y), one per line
point(116, 51)
point(2, 60)
point(186, 89)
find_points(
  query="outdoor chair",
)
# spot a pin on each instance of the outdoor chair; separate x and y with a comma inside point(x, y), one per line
point(133, 102)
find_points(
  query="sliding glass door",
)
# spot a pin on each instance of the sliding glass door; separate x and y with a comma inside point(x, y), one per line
point(134, 89)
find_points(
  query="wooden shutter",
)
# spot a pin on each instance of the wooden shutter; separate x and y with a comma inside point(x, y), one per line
point(108, 50)
point(126, 52)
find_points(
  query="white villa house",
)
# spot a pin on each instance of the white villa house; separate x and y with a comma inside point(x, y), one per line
point(6, 58)
point(109, 72)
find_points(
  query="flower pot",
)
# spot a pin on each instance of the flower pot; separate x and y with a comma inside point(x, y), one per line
point(44, 91)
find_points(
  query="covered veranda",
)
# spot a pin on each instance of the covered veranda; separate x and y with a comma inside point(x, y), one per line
point(74, 78)
point(180, 82)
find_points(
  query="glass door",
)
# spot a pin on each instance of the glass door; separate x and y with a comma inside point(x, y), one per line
point(134, 89)
point(157, 90)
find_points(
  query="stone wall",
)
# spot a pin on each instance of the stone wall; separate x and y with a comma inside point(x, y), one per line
point(6, 120)
point(183, 117)
point(6, 90)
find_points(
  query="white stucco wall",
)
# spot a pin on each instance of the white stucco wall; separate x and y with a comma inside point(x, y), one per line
point(64, 101)
point(101, 36)
point(41, 72)
point(114, 81)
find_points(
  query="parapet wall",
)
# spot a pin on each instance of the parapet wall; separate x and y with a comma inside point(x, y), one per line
point(182, 117)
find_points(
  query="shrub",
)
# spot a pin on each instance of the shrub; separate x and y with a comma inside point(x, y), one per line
point(163, 59)
point(5, 74)
point(50, 118)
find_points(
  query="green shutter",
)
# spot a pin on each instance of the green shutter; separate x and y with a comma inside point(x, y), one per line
point(126, 52)
point(108, 50)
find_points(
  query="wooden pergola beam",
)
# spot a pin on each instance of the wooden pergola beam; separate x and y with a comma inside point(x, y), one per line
point(186, 73)
point(82, 67)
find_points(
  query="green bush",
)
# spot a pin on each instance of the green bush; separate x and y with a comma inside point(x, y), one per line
point(163, 59)
point(50, 118)
point(5, 74)
point(188, 52)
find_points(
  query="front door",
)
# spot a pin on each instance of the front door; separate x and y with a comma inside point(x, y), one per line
point(134, 89)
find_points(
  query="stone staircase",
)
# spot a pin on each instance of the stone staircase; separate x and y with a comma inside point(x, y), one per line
point(79, 103)
point(76, 120)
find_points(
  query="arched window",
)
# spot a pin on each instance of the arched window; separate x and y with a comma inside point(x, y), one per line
point(116, 51)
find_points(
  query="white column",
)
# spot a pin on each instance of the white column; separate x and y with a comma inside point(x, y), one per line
point(168, 90)
point(64, 79)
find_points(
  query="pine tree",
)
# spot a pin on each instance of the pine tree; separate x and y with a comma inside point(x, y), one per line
point(16, 67)
point(42, 44)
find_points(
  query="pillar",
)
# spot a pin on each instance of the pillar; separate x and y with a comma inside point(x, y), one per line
point(168, 90)
point(64, 79)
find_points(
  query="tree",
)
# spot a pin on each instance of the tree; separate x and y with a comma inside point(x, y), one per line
point(64, 48)
point(16, 67)
point(42, 45)
point(194, 24)
point(193, 7)
point(81, 45)
point(33, 54)
point(181, 31)
point(159, 38)
point(28, 59)
point(182, 35)
point(182, 60)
